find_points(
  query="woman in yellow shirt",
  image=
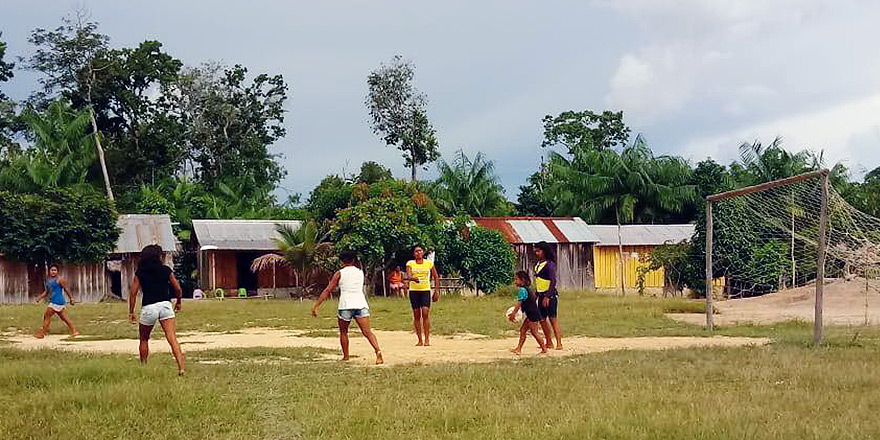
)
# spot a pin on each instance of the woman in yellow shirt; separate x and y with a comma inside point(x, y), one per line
point(419, 272)
point(548, 297)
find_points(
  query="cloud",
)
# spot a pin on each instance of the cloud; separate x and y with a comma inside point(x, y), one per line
point(848, 132)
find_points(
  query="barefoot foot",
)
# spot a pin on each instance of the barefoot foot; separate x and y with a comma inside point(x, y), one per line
point(379, 359)
point(558, 347)
point(40, 334)
point(420, 344)
point(516, 351)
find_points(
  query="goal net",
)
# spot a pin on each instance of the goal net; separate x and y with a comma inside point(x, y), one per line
point(766, 239)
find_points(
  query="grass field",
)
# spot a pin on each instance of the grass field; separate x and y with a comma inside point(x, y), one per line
point(787, 389)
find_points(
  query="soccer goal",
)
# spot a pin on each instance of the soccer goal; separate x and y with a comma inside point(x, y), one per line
point(787, 234)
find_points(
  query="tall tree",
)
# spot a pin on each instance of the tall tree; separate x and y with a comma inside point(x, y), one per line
point(585, 130)
point(130, 97)
point(62, 154)
point(7, 106)
point(469, 186)
point(66, 56)
point(628, 186)
point(231, 122)
point(398, 113)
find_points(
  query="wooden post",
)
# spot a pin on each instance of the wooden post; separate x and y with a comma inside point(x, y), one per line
point(820, 261)
point(710, 318)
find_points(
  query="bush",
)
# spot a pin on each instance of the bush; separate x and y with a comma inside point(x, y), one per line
point(57, 225)
point(483, 258)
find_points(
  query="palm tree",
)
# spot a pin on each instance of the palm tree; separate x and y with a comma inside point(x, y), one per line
point(299, 249)
point(630, 185)
point(469, 186)
point(62, 155)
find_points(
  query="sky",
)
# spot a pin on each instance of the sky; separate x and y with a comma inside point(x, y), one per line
point(695, 78)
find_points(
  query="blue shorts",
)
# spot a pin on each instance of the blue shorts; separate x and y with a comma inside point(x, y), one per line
point(347, 314)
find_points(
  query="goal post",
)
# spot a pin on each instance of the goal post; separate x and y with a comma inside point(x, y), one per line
point(758, 213)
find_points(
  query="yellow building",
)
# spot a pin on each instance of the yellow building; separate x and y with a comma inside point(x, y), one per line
point(637, 241)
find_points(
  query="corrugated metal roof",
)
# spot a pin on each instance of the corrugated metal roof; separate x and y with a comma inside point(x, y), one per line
point(140, 230)
point(642, 235)
point(256, 235)
point(536, 229)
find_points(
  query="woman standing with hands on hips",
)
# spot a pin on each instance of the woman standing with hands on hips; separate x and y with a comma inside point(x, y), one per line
point(548, 297)
point(156, 280)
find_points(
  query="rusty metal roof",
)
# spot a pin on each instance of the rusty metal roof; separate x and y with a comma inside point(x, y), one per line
point(642, 235)
point(256, 235)
point(139, 230)
point(536, 229)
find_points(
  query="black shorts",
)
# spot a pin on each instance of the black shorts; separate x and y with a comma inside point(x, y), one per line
point(419, 299)
point(530, 309)
point(550, 310)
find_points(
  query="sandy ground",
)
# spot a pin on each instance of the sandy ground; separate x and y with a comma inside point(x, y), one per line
point(398, 347)
point(845, 303)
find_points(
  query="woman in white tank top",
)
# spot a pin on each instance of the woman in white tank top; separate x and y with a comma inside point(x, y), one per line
point(352, 303)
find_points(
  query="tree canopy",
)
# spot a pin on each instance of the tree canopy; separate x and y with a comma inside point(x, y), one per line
point(398, 113)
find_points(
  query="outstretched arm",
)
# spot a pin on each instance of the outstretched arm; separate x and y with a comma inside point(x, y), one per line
point(132, 297)
point(326, 293)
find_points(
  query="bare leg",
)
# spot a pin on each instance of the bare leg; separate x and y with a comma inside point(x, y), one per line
point(144, 347)
point(170, 329)
point(548, 333)
point(364, 324)
point(417, 325)
point(522, 338)
point(343, 337)
point(426, 324)
point(64, 317)
point(557, 330)
point(533, 327)
point(44, 328)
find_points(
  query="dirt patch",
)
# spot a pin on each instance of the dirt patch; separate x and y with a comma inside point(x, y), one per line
point(397, 346)
point(844, 303)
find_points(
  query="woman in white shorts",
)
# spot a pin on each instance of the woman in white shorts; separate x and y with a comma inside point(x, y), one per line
point(352, 303)
point(156, 280)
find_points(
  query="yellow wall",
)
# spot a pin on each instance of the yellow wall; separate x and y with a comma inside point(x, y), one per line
point(606, 263)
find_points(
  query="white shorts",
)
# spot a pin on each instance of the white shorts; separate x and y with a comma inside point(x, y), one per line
point(57, 307)
point(159, 311)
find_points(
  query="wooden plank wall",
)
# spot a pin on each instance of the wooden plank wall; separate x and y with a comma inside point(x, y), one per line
point(574, 268)
point(21, 283)
point(606, 264)
point(14, 282)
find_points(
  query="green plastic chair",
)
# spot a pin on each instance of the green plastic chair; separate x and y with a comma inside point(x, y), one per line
point(219, 294)
point(242, 292)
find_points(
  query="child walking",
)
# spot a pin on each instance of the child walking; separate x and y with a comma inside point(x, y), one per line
point(526, 301)
point(55, 289)
point(352, 303)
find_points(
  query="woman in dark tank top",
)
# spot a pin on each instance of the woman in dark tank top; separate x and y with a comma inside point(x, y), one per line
point(156, 281)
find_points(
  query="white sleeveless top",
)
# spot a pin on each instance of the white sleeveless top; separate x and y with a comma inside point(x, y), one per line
point(351, 289)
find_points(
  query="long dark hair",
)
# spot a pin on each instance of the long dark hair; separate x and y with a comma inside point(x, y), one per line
point(547, 249)
point(151, 258)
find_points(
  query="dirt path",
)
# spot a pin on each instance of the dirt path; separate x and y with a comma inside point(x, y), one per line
point(846, 303)
point(397, 346)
